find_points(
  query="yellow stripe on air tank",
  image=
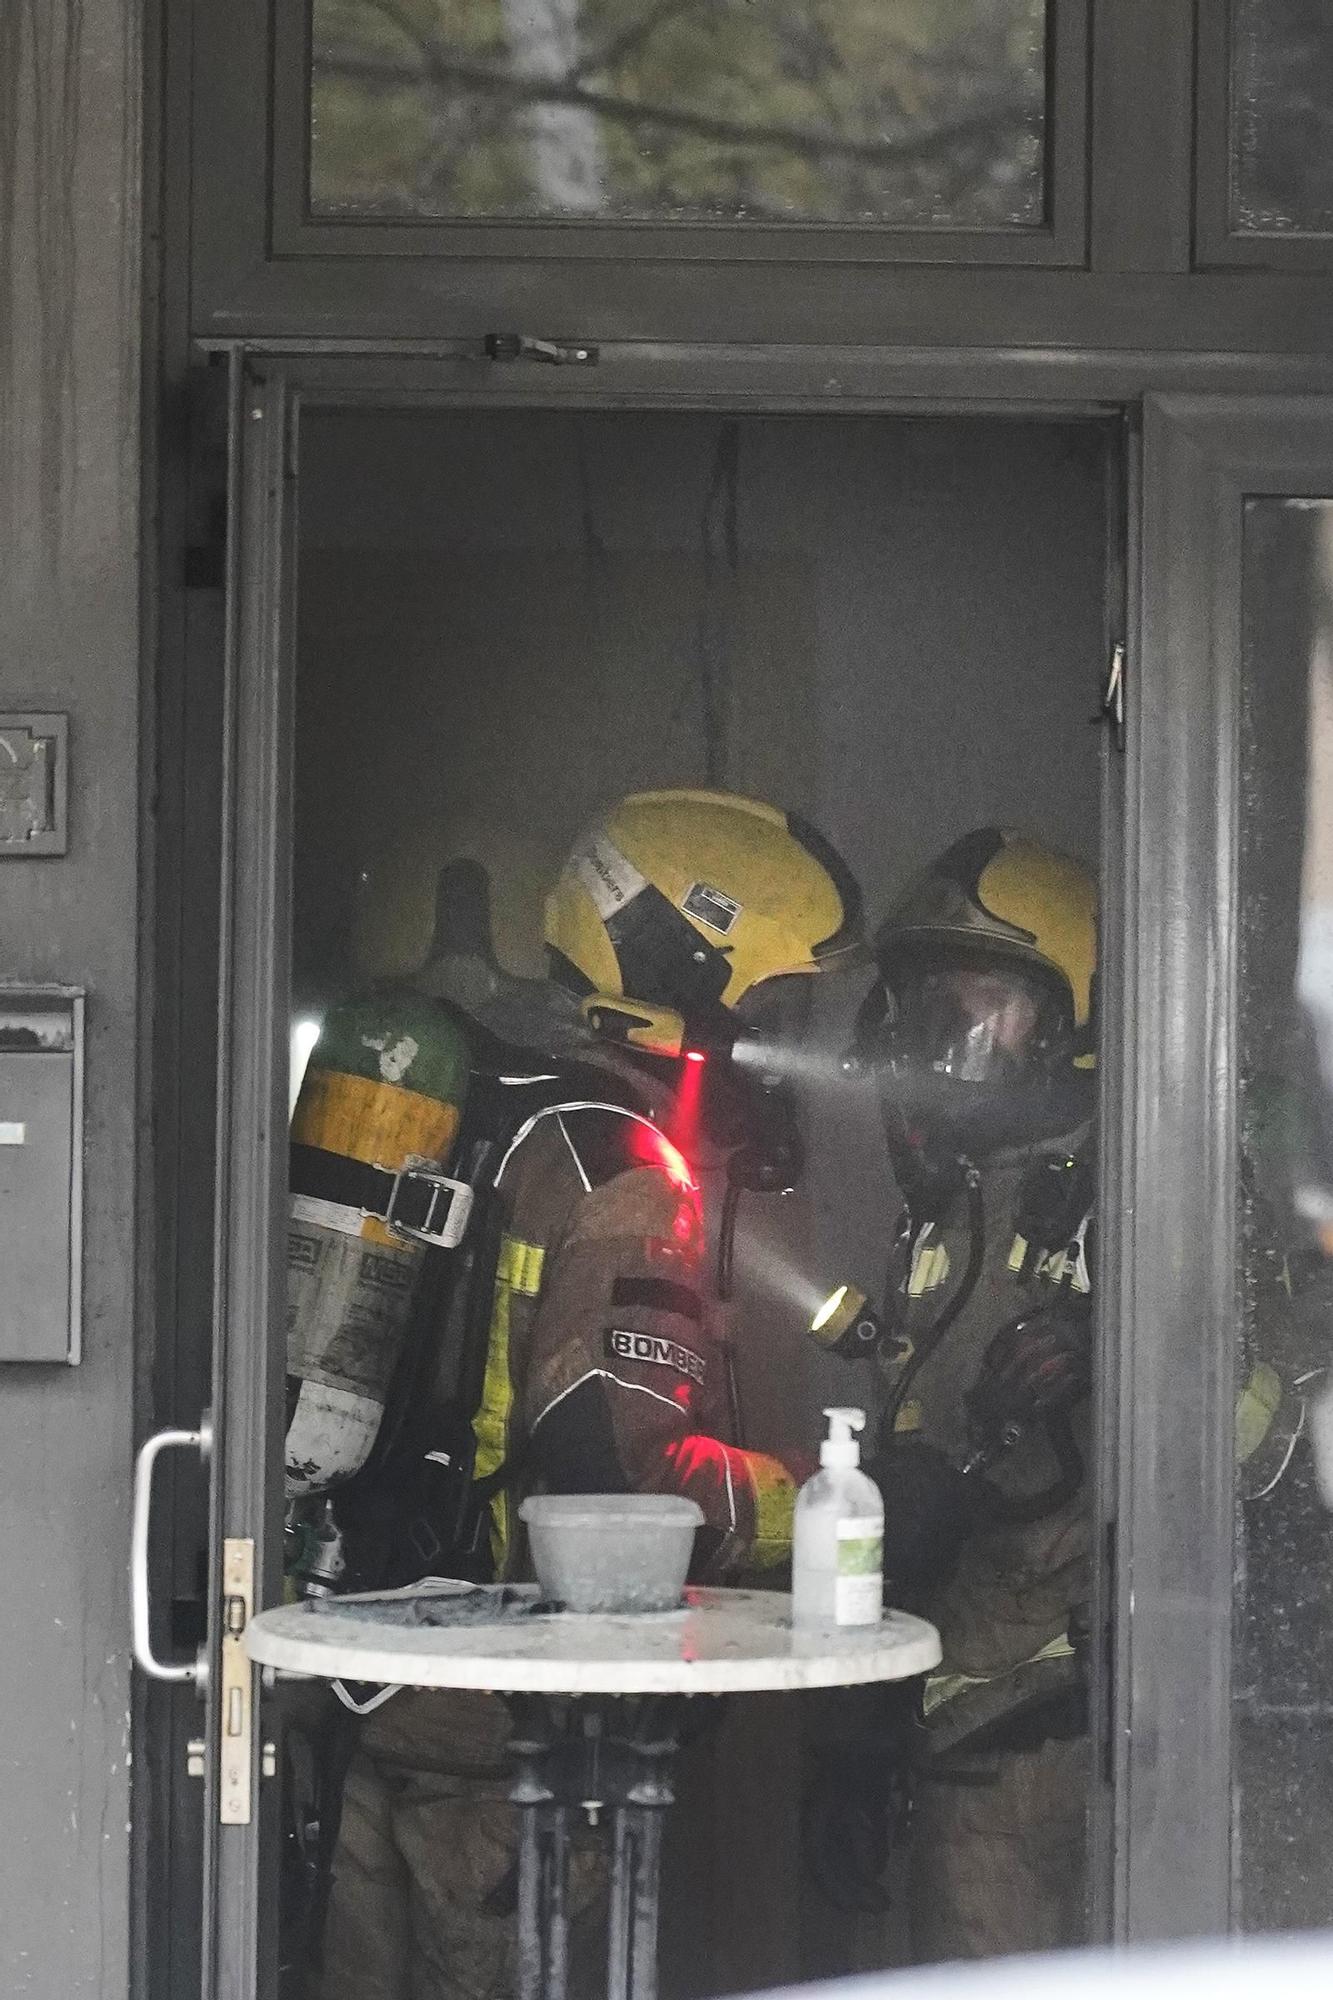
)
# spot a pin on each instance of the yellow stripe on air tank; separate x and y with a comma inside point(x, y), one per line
point(380, 1123)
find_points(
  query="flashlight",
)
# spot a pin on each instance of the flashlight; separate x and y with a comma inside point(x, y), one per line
point(847, 1324)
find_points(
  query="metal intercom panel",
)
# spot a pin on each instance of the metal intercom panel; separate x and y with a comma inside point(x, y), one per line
point(41, 1172)
point(34, 785)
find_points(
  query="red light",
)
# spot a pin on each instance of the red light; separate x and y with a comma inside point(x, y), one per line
point(699, 1466)
point(694, 1055)
point(654, 1149)
point(677, 1170)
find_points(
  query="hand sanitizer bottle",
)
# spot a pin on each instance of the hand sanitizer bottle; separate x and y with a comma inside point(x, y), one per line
point(838, 1540)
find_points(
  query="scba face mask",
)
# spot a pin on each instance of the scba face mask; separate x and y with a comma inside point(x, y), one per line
point(973, 1025)
point(973, 1055)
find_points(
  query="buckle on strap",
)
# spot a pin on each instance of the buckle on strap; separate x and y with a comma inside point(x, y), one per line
point(443, 1227)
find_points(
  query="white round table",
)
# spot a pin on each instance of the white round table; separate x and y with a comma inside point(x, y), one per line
point(720, 1642)
point(597, 1703)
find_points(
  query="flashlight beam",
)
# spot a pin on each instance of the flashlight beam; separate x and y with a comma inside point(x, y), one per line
point(796, 1062)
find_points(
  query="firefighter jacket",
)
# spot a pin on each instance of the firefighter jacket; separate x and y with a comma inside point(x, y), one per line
point(1020, 1590)
point(604, 1371)
point(1004, 1615)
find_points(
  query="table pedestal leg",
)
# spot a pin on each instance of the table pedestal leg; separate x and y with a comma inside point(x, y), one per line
point(591, 1755)
point(636, 1863)
point(543, 1872)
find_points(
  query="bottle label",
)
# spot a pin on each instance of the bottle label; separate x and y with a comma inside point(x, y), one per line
point(858, 1592)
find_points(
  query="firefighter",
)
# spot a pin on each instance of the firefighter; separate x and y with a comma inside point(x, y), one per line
point(980, 1030)
point(683, 926)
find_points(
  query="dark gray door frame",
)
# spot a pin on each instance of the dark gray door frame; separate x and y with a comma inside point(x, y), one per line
point(767, 375)
point(241, 1860)
point(1202, 457)
point(1171, 1011)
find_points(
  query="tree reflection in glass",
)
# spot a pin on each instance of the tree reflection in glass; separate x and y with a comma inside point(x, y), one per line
point(908, 112)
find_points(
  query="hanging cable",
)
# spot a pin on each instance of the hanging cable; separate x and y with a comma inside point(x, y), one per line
point(726, 1257)
point(719, 537)
point(726, 1242)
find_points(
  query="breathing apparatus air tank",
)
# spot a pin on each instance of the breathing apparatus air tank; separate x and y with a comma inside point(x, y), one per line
point(373, 1133)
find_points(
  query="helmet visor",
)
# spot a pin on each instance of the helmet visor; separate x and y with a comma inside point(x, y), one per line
point(973, 1023)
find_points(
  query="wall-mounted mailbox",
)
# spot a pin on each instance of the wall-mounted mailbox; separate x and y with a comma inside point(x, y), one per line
point(41, 1172)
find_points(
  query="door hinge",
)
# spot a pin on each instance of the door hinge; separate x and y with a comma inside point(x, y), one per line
point(236, 1720)
point(1113, 695)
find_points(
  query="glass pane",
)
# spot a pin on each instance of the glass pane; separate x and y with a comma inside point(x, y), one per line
point(929, 112)
point(1282, 117)
point(1283, 1689)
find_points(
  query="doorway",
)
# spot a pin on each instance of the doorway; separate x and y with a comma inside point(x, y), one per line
point(496, 622)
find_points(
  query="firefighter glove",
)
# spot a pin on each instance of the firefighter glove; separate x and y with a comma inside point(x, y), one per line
point(929, 1510)
point(1037, 1367)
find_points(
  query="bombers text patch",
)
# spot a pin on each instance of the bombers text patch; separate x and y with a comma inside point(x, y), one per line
point(654, 1350)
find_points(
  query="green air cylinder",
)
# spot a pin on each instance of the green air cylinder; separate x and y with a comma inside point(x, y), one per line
point(384, 1091)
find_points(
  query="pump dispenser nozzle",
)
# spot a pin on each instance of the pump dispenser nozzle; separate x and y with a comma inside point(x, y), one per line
point(838, 1535)
point(840, 1446)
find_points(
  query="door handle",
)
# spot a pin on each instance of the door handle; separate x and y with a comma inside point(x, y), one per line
point(201, 1440)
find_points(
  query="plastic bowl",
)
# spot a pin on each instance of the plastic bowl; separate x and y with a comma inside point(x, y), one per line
point(611, 1552)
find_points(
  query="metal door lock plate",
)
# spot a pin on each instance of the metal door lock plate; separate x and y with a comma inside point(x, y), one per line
point(237, 1721)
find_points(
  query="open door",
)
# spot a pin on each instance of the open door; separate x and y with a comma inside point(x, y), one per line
point(1226, 1612)
point(241, 1810)
point(532, 576)
point(207, 1893)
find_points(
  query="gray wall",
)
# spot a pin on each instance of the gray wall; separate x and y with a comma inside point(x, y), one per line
point(501, 628)
point(69, 475)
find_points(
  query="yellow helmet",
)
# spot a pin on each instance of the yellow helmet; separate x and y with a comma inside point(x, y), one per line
point(1004, 895)
point(983, 1021)
point(675, 906)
